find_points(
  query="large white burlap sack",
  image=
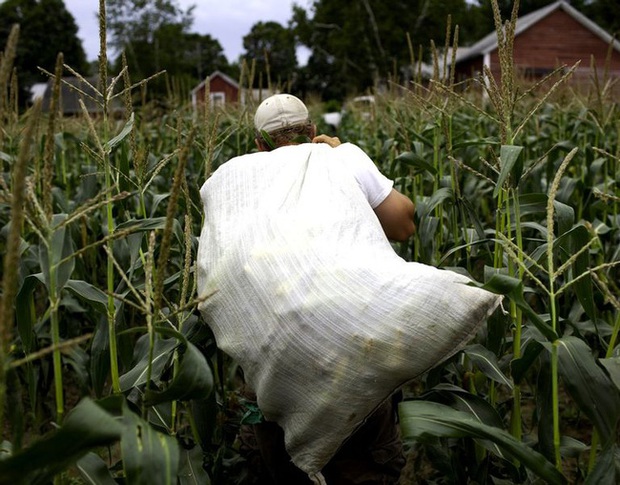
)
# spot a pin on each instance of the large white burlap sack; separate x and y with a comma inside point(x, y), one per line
point(309, 297)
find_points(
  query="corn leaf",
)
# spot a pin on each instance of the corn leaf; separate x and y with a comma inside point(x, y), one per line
point(149, 457)
point(421, 420)
point(486, 361)
point(88, 292)
point(25, 312)
point(417, 162)
point(513, 287)
point(191, 471)
point(193, 380)
point(122, 135)
point(87, 426)
point(60, 248)
point(94, 470)
point(595, 394)
point(605, 472)
point(100, 357)
point(612, 365)
point(571, 242)
point(162, 353)
point(508, 158)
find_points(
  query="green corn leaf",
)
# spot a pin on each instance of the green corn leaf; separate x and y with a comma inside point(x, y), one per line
point(486, 361)
point(162, 353)
point(509, 164)
point(461, 400)
point(89, 293)
point(536, 203)
point(565, 216)
point(191, 471)
point(605, 471)
point(136, 225)
point(94, 470)
point(476, 142)
point(439, 197)
point(157, 199)
point(570, 243)
point(513, 287)
point(544, 407)
point(520, 366)
point(60, 248)
point(149, 457)
point(100, 357)
point(415, 161)
point(122, 135)
point(595, 394)
point(25, 312)
point(205, 414)
point(421, 419)
point(193, 380)
point(612, 365)
point(87, 426)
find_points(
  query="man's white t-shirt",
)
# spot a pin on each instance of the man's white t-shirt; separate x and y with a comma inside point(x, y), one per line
point(375, 186)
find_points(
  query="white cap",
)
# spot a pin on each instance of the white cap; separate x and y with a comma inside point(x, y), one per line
point(280, 111)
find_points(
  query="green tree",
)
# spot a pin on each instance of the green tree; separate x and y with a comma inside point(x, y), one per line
point(604, 12)
point(46, 28)
point(272, 48)
point(355, 45)
point(130, 21)
point(154, 35)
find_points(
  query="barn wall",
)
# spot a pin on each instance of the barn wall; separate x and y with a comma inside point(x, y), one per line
point(557, 40)
point(218, 84)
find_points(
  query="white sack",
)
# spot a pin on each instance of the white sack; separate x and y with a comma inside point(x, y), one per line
point(324, 317)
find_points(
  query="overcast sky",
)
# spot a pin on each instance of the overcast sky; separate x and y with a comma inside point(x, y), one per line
point(227, 21)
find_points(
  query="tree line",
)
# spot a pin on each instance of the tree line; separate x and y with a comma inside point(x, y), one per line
point(351, 44)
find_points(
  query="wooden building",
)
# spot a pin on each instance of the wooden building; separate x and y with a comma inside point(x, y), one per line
point(553, 36)
point(223, 90)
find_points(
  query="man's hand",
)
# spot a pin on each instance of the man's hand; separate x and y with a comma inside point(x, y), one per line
point(332, 141)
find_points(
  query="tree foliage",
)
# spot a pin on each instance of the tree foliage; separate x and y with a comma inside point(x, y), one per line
point(272, 48)
point(138, 20)
point(355, 44)
point(155, 37)
point(46, 28)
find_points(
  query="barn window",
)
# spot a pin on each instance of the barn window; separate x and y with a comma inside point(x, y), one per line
point(537, 72)
point(218, 99)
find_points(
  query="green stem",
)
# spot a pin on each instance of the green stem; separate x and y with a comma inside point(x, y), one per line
point(111, 310)
point(499, 229)
point(516, 424)
point(56, 357)
point(556, 406)
point(149, 367)
point(439, 209)
point(614, 337)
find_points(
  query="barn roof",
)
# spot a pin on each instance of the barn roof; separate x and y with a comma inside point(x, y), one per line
point(489, 43)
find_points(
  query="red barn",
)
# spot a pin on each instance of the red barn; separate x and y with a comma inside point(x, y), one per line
point(548, 38)
point(222, 90)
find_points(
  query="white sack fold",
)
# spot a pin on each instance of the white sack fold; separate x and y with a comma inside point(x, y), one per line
point(309, 297)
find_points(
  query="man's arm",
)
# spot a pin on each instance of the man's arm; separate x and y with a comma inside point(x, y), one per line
point(395, 214)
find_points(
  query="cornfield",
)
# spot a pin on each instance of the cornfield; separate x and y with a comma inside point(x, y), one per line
point(108, 374)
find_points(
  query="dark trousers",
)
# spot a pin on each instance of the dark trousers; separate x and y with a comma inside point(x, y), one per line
point(372, 455)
